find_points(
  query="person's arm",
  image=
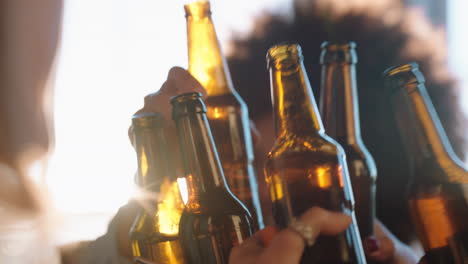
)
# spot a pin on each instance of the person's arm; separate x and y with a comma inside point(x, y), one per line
point(111, 248)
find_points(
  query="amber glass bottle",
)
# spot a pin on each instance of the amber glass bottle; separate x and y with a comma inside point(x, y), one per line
point(340, 115)
point(214, 220)
point(438, 192)
point(305, 167)
point(155, 232)
point(226, 111)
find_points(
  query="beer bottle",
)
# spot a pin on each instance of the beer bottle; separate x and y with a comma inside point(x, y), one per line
point(305, 167)
point(227, 112)
point(154, 235)
point(438, 191)
point(340, 115)
point(214, 220)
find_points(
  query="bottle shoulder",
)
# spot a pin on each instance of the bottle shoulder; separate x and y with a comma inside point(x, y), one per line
point(430, 171)
point(218, 209)
point(359, 155)
point(217, 201)
point(290, 144)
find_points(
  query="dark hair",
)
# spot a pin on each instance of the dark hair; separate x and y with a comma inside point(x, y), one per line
point(386, 35)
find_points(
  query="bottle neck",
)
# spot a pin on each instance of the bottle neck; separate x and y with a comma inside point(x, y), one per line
point(423, 133)
point(201, 163)
point(294, 105)
point(206, 61)
point(150, 144)
point(339, 103)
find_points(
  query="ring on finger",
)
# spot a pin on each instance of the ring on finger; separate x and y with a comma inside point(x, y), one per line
point(306, 232)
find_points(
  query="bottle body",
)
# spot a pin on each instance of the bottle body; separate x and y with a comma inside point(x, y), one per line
point(214, 220)
point(226, 111)
point(210, 232)
point(152, 242)
point(305, 167)
point(340, 115)
point(438, 191)
point(439, 214)
point(154, 235)
point(310, 172)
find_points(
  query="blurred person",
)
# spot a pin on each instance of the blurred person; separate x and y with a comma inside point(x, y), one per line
point(29, 38)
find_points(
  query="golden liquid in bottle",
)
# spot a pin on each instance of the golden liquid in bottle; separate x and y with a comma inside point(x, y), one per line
point(299, 180)
point(154, 236)
point(439, 214)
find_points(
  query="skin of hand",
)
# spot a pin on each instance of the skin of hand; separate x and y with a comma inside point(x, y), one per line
point(384, 247)
point(271, 245)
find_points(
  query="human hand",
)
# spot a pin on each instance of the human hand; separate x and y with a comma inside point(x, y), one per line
point(273, 246)
point(384, 247)
point(178, 81)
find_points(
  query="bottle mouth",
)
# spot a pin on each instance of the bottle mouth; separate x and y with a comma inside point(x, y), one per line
point(284, 56)
point(402, 68)
point(404, 75)
point(187, 103)
point(200, 8)
point(147, 120)
point(338, 52)
point(338, 46)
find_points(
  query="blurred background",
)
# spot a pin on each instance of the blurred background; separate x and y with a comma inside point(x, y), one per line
point(113, 53)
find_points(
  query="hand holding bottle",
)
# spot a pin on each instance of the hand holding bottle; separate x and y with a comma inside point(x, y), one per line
point(287, 246)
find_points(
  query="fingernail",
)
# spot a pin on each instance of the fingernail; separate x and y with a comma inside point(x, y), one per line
point(371, 244)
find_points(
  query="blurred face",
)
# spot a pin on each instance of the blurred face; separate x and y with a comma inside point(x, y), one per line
point(32, 33)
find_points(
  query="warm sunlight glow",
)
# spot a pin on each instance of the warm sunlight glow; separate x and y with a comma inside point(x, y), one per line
point(183, 189)
point(169, 209)
point(216, 113)
point(324, 177)
point(275, 184)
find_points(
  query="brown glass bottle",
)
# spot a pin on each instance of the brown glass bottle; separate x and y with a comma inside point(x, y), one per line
point(305, 167)
point(155, 233)
point(214, 220)
point(340, 115)
point(438, 191)
point(226, 111)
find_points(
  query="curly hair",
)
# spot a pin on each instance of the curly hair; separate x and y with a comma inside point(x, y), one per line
point(386, 34)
